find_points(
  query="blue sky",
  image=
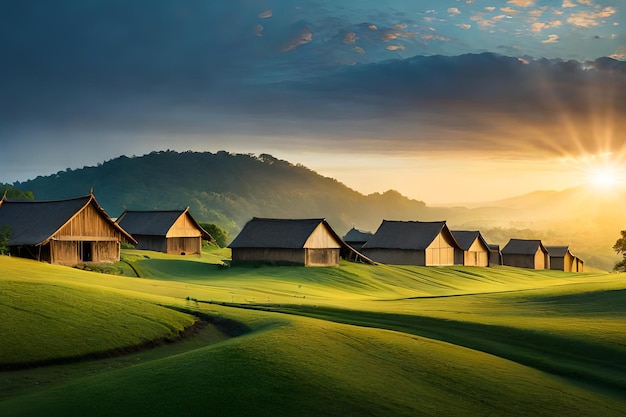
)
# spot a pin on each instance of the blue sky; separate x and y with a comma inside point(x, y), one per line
point(522, 94)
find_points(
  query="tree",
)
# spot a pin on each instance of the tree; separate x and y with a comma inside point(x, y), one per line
point(14, 193)
point(5, 234)
point(220, 235)
point(620, 249)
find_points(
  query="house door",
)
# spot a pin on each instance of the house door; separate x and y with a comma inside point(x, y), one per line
point(86, 252)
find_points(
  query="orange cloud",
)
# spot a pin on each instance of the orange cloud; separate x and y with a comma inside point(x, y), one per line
point(304, 37)
point(568, 3)
point(620, 54)
point(589, 19)
point(509, 10)
point(395, 48)
point(521, 3)
point(349, 38)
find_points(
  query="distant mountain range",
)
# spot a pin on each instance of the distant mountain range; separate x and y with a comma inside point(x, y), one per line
point(229, 189)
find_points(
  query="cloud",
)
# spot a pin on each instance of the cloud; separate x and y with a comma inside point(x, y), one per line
point(454, 11)
point(539, 26)
point(551, 39)
point(588, 19)
point(509, 10)
point(620, 54)
point(464, 26)
point(395, 47)
point(349, 38)
point(266, 14)
point(522, 3)
point(305, 36)
point(568, 4)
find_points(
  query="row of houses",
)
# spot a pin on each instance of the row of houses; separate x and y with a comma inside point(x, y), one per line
point(433, 244)
point(79, 230)
point(312, 242)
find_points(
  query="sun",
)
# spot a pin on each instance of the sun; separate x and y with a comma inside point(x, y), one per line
point(604, 177)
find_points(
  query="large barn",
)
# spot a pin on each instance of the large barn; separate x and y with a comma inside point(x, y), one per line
point(524, 253)
point(66, 232)
point(412, 243)
point(170, 231)
point(475, 250)
point(562, 259)
point(308, 242)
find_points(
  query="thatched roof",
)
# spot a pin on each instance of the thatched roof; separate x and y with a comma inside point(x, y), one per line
point(156, 222)
point(278, 233)
point(356, 235)
point(466, 238)
point(523, 247)
point(35, 222)
point(411, 235)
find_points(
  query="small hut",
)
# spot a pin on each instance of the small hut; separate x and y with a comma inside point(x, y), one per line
point(412, 243)
point(169, 231)
point(474, 249)
point(579, 264)
point(308, 242)
point(357, 238)
point(562, 259)
point(65, 232)
point(495, 255)
point(524, 253)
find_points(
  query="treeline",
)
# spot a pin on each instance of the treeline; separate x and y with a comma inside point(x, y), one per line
point(12, 193)
point(222, 188)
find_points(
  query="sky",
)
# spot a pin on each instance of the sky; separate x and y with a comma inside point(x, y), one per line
point(445, 101)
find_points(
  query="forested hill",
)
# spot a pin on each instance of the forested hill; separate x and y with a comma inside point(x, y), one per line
point(226, 189)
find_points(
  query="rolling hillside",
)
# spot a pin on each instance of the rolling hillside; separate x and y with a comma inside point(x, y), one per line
point(229, 189)
point(350, 340)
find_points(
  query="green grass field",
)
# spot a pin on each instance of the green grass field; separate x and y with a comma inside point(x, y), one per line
point(353, 340)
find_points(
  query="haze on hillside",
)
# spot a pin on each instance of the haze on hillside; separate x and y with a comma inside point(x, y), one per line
point(444, 101)
point(229, 189)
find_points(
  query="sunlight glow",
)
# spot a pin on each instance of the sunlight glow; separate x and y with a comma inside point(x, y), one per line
point(604, 177)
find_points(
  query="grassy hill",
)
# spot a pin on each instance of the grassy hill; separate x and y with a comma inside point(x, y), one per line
point(352, 340)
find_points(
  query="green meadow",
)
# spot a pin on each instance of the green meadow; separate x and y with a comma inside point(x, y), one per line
point(192, 336)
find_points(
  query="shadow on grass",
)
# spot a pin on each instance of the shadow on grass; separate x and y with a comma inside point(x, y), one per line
point(598, 366)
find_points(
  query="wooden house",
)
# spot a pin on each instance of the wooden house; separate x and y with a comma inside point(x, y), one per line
point(579, 264)
point(495, 255)
point(66, 232)
point(357, 238)
point(562, 259)
point(524, 253)
point(474, 249)
point(412, 243)
point(170, 231)
point(308, 242)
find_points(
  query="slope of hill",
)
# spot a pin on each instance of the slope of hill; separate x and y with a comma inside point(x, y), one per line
point(224, 188)
point(346, 349)
point(229, 189)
